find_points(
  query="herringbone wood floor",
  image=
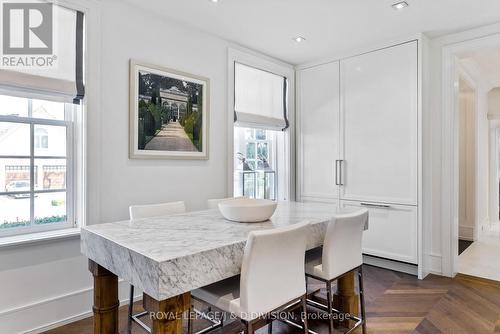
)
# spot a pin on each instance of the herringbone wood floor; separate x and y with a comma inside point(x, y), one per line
point(395, 303)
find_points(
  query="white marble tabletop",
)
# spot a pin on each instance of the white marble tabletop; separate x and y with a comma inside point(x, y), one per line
point(167, 256)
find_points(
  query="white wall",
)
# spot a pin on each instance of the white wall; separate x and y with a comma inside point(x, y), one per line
point(482, 154)
point(49, 282)
point(494, 103)
point(482, 161)
point(494, 180)
point(134, 34)
point(467, 160)
point(494, 117)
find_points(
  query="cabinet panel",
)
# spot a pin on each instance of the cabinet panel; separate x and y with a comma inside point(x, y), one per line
point(380, 116)
point(319, 131)
point(392, 231)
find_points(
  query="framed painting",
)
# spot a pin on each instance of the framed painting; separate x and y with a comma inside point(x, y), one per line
point(169, 113)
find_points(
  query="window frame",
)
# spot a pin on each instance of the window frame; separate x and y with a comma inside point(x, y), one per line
point(71, 115)
point(82, 189)
point(286, 179)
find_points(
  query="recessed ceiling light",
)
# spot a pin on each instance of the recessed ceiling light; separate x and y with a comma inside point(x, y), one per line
point(400, 5)
point(214, 1)
point(299, 39)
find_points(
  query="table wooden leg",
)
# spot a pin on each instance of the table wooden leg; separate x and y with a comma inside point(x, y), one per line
point(346, 298)
point(105, 300)
point(166, 315)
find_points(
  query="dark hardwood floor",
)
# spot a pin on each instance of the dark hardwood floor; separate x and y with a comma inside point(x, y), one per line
point(463, 245)
point(395, 303)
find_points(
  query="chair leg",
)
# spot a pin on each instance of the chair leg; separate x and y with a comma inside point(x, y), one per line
point(304, 313)
point(130, 309)
point(270, 327)
point(362, 299)
point(330, 306)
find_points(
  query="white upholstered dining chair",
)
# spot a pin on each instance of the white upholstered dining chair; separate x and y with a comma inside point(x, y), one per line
point(156, 210)
point(341, 254)
point(272, 278)
point(147, 211)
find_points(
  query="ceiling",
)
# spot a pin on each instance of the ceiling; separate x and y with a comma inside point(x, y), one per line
point(331, 27)
point(484, 63)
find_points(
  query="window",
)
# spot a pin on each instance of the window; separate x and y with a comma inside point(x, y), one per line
point(255, 163)
point(41, 138)
point(41, 131)
point(261, 132)
point(34, 192)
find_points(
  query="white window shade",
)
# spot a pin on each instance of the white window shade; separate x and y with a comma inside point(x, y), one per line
point(259, 98)
point(63, 81)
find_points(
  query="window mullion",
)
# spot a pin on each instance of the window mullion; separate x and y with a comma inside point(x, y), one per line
point(32, 173)
point(30, 108)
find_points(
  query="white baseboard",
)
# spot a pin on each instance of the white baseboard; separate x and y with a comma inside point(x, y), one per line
point(466, 232)
point(392, 265)
point(59, 323)
point(50, 313)
point(435, 264)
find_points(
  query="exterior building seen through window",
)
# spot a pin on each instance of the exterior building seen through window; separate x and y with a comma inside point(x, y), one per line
point(255, 163)
point(36, 143)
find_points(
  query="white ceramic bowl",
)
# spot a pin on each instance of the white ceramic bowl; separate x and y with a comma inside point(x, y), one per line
point(247, 210)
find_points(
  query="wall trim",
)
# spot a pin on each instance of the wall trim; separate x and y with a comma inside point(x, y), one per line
point(44, 301)
point(435, 265)
point(466, 232)
point(51, 325)
point(403, 267)
point(59, 323)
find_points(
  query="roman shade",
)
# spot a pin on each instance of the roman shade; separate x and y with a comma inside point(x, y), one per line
point(30, 75)
point(260, 98)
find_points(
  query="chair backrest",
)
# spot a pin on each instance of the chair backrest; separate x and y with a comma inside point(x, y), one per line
point(156, 210)
point(342, 248)
point(214, 203)
point(272, 272)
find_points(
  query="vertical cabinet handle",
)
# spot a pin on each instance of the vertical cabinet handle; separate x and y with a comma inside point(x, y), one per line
point(338, 172)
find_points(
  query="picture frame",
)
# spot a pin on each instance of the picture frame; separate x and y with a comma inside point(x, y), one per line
point(169, 113)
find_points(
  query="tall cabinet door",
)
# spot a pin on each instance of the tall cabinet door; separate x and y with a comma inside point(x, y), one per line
point(318, 142)
point(380, 115)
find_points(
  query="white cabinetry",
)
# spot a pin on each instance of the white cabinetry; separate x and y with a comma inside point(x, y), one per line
point(318, 100)
point(379, 111)
point(364, 112)
point(392, 230)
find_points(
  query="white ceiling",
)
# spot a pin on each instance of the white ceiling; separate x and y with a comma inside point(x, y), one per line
point(329, 26)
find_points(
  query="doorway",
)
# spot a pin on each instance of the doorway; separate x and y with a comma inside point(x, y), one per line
point(478, 114)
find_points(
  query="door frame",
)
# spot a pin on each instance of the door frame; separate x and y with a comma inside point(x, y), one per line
point(449, 141)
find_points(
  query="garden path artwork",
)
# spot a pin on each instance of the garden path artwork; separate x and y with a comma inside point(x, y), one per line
point(170, 114)
point(171, 137)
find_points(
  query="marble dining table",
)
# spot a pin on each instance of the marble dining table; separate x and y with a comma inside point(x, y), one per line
point(169, 256)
